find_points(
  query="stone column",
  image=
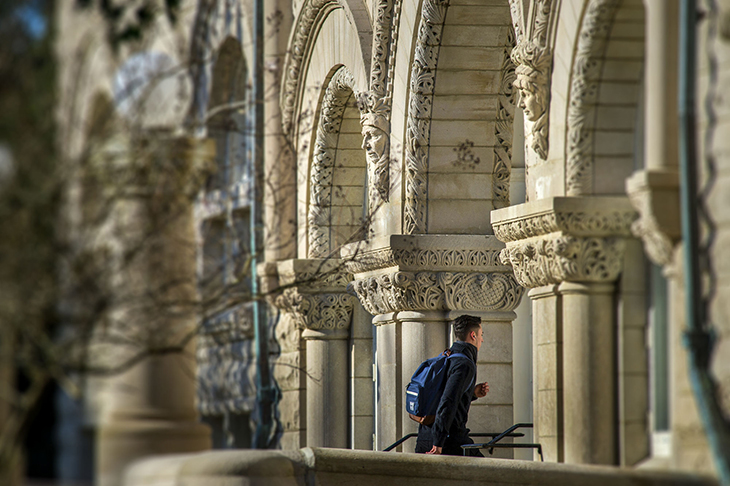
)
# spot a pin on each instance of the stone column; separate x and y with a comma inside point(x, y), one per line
point(589, 373)
point(578, 244)
point(148, 403)
point(362, 398)
point(388, 381)
point(661, 120)
point(654, 191)
point(547, 374)
point(313, 292)
point(327, 387)
point(424, 335)
point(414, 286)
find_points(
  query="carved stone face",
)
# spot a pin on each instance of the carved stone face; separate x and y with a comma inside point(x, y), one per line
point(530, 104)
point(373, 141)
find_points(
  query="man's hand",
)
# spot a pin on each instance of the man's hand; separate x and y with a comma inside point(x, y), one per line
point(434, 450)
point(481, 390)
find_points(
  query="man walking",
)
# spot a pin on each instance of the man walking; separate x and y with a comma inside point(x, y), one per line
point(449, 432)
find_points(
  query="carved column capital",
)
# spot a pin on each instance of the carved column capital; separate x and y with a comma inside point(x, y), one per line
point(432, 273)
point(315, 293)
point(564, 239)
point(655, 195)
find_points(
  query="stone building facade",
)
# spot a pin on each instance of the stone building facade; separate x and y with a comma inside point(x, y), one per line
point(515, 160)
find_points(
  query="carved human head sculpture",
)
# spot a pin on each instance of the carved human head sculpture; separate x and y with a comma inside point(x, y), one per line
point(532, 78)
point(374, 135)
point(375, 129)
point(532, 71)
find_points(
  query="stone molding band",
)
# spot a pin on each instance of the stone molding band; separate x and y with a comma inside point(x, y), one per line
point(577, 223)
point(425, 258)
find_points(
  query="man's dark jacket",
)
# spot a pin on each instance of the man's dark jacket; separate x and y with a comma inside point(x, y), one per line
point(449, 429)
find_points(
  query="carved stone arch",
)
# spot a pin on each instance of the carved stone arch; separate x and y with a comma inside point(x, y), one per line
point(420, 103)
point(303, 38)
point(604, 97)
point(460, 117)
point(333, 105)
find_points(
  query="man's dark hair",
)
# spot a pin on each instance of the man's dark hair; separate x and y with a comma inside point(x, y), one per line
point(465, 324)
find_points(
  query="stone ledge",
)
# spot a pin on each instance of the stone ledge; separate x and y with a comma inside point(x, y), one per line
point(595, 216)
point(325, 467)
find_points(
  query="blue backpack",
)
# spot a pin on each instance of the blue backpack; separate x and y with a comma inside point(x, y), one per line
point(423, 393)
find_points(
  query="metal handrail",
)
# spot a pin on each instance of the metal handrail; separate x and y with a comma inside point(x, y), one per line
point(494, 443)
point(476, 434)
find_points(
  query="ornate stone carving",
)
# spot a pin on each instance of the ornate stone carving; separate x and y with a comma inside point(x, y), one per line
point(336, 95)
point(586, 75)
point(423, 73)
point(399, 291)
point(425, 252)
point(533, 58)
point(318, 311)
point(658, 245)
point(314, 292)
point(375, 105)
point(503, 128)
point(516, 10)
point(532, 81)
point(579, 223)
point(655, 195)
point(552, 260)
point(432, 272)
point(425, 258)
point(375, 121)
point(565, 239)
point(304, 34)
